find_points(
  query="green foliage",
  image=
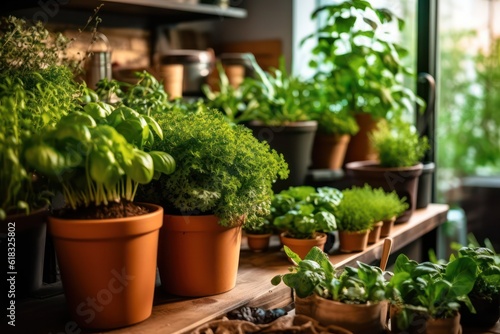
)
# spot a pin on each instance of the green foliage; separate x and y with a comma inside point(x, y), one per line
point(468, 118)
point(96, 154)
point(357, 55)
point(437, 288)
point(221, 168)
point(387, 204)
point(36, 90)
point(302, 211)
point(398, 144)
point(357, 211)
point(237, 104)
point(278, 97)
point(315, 274)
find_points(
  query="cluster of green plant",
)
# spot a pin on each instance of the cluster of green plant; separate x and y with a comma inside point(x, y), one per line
point(97, 154)
point(357, 210)
point(325, 107)
point(302, 211)
point(356, 54)
point(436, 289)
point(315, 274)
point(387, 204)
point(221, 168)
point(36, 89)
point(398, 144)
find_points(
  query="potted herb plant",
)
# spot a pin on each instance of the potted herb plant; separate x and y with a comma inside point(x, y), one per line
point(259, 236)
point(389, 206)
point(363, 61)
point(36, 89)
point(336, 126)
point(352, 297)
point(222, 183)
point(400, 149)
point(485, 294)
point(426, 296)
point(304, 215)
point(355, 215)
point(106, 243)
point(281, 117)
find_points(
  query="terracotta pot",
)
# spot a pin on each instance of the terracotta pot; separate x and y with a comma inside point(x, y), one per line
point(444, 326)
point(108, 267)
point(353, 241)
point(295, 142)
point(358, 318)
point(302, 246)
point(196, 256)
point(329, 151)
point(360, 147)
point(403, 180)
point(374, 234)
point(258, 242)
point(387, 225)
point(25, 235)
point(417, 321)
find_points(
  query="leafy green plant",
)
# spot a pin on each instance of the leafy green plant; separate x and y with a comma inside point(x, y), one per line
point(387, 204)
point(398, 144)
point(222, 169)
point(302, 211)
point(36, 90)
point(356, 211)
point(264, 226)
point(279, 97)
point(315, 274)
point(358, 56)
point(435, 288)
point(235, 103)
point(97, 155)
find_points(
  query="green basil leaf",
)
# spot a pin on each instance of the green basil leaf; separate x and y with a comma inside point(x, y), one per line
point(140, 167)
point(163, 162)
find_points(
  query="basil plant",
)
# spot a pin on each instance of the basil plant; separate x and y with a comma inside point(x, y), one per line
point(97, 154)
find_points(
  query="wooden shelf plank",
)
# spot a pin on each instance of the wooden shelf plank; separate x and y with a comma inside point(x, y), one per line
point(173, 314)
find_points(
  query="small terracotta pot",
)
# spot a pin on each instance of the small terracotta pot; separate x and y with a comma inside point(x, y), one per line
point(302, 246)
point(387, 225)
point(108, 267)
point(353, 241)
point(258, 242)
point(329, 151)
point(374, 234)
point(444, 326)
point(196, 256)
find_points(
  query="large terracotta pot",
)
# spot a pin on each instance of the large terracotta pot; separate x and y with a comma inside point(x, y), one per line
point(302, 246)
point(25, 237)
point(108, 267)
point(196, 256)
point(358, 318)
point(403, 180)
point(360, 147)
point(295, 142)
point(353, 241)
point(329, 151)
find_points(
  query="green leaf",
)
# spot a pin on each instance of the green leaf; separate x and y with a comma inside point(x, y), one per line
point(140, 168)
point(104, 168)
point(163, 162)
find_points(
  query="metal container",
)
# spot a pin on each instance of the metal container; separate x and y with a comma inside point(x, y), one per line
point(99, 64)
point(198, 65)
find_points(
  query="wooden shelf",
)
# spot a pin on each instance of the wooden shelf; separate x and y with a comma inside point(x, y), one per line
point(124, 12)
point(173, 314)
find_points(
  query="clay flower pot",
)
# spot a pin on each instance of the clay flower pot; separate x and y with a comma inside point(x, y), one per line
point(353, 241)
point(258, 242)
point(374, 234)
point(196, 256)
point(444, 326)
point(329, 151)
point(387, 225)
point(302, 246)
point(108, 267)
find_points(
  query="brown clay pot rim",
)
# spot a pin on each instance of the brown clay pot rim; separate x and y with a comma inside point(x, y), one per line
point(105, 228)
point(374, 166)
point(319, 236)
point(195, 223)
point(301, 125)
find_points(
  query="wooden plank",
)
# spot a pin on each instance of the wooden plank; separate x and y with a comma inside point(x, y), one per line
point(172, 314)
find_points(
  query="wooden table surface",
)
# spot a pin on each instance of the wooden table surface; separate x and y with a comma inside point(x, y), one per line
point(173, 314)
